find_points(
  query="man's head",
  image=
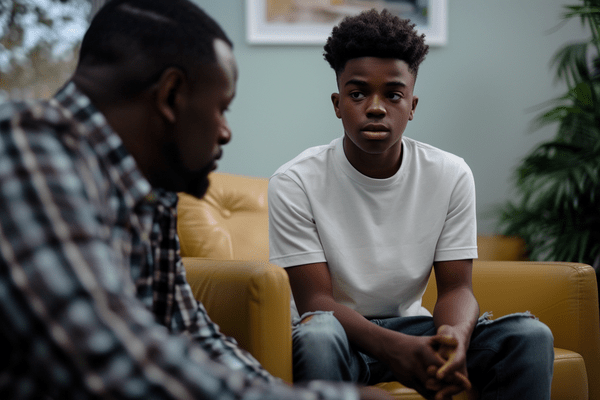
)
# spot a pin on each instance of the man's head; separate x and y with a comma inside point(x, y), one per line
point(374, 34)
point(163, 74)
point(153, 35)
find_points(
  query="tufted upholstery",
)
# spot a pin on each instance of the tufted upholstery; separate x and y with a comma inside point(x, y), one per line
point(230, 223)
point(224, 241)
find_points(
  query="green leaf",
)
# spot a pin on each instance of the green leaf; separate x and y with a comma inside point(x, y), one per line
point(571, 63)
point(583, 93)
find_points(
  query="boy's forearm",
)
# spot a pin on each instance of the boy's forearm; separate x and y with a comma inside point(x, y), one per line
point(459, 309)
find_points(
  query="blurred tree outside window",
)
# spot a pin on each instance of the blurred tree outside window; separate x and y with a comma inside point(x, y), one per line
point(39, 40)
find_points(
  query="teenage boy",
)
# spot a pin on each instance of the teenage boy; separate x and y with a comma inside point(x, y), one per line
point(358, 224)
point(94, 302)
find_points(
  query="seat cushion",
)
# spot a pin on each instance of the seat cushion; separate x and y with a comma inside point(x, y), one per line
point(398, 391)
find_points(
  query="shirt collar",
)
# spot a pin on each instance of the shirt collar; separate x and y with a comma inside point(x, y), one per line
point(105, 142)
point(160, 196)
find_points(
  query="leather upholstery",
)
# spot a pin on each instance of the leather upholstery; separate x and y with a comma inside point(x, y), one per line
point(224, 241)
point(229, 223)
point(250, 301)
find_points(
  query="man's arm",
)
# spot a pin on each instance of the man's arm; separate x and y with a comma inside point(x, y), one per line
point(174, 304)
point(203, 331)
point(408, 356)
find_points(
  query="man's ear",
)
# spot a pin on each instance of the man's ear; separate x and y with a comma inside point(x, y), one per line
point(170, 93)
point(335, 99)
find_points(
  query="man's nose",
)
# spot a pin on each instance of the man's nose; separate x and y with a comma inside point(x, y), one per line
point(225, 135)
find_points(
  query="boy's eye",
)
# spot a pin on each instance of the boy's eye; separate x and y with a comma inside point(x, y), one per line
point(357, 95)
point(395, 96)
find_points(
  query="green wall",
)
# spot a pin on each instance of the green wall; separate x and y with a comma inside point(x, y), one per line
point(475, 93)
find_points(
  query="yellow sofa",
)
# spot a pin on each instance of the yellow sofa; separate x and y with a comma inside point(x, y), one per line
point(224, 242)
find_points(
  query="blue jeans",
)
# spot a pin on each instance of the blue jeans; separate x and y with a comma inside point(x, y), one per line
point(508, 358)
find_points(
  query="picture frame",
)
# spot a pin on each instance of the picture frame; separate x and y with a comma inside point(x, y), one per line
point(309, 22)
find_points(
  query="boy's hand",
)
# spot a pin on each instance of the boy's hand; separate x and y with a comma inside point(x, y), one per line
point(409, 358)
point(444, 390)
point(452, 377)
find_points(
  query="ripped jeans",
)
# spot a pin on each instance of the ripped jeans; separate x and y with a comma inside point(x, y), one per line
point(511, 357)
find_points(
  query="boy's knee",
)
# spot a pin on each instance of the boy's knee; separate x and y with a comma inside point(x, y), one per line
point(533, 335)
point(320, 316)
point(306, 318)
point(319, 338)
point(538, 332)
point(535, 346)
point(521, 331)
point(319, 326)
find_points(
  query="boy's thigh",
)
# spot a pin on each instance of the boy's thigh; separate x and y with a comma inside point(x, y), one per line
point(321, 350)
point(415, 326)
point(491, 334)
point(518, 338)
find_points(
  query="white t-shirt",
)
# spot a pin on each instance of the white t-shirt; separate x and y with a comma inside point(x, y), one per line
point(379, 237)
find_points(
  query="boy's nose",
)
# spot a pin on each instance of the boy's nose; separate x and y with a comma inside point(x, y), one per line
point(376, 107)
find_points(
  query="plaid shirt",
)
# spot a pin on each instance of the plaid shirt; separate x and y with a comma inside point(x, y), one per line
point(89, 262)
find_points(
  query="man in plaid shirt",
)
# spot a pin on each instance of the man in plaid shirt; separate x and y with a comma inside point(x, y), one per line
point(93, 297)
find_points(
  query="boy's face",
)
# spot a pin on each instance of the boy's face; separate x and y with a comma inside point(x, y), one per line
point(375, 102)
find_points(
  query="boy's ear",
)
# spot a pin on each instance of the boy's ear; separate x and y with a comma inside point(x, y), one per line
point(169, 93)
point(415, 101)
point(335, 99)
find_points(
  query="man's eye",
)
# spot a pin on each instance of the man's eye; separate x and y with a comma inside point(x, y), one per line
point(395, 96)
point(356, 95)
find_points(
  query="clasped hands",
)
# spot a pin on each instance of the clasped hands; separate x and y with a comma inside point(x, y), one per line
point(435, 366)
point(451, 377)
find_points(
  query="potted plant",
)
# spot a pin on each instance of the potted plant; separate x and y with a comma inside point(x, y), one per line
point(557, 210)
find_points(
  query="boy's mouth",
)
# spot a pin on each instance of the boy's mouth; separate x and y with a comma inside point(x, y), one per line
point(375, 131)
point(375, 135)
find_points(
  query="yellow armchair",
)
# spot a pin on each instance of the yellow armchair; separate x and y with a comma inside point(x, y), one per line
point(224, 242)
point(250, 301)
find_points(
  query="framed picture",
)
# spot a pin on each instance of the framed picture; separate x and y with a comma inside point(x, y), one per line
point(310, 21)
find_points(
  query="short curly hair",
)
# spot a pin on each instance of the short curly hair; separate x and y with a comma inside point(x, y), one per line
point(374, 34)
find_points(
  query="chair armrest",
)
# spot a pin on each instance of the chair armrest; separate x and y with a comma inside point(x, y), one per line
point(250, 301)
point(562, 295)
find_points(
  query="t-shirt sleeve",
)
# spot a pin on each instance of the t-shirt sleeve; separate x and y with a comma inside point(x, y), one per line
point(458, 239)
point(293, 236)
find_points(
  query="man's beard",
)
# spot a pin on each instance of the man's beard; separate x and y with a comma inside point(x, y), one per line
point(179, 178)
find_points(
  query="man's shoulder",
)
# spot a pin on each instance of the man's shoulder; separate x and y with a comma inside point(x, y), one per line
point(8, 108)
point(11, 109)
point(38, 122)
point(36, 115)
